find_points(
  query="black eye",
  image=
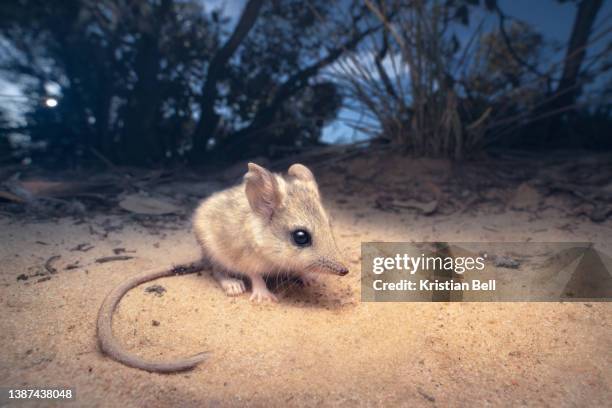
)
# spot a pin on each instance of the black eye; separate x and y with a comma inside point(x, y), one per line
point(301, 238)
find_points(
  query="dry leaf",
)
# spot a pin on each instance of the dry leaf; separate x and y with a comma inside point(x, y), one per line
point(11, 197)
point(139, 204)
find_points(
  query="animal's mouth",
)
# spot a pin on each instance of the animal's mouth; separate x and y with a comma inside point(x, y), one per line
point(328, 266)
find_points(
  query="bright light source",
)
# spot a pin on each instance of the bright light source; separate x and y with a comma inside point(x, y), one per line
point(51, 102)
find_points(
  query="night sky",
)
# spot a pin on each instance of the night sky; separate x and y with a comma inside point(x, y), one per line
point(552, 18)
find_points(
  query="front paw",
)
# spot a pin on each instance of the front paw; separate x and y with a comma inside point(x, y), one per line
point(262, 295)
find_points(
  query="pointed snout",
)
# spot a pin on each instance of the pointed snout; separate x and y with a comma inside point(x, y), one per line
point(343, 270)
point(337, 268)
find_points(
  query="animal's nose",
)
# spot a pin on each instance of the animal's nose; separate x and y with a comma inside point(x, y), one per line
point(343, 270)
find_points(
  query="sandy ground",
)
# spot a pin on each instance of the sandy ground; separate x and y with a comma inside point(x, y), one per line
point(318, 345)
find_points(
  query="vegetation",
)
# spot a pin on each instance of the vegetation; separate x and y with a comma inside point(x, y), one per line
point(416, 85)
point(158, 81)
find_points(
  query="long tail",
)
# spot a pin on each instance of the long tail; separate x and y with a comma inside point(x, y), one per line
point(112, 348)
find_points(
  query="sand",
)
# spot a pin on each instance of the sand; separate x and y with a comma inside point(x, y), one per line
point(319, 345)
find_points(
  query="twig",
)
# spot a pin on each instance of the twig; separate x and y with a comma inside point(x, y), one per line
point(114, 258)
point(508, 43)
point(480, 120)
point(102, 158)
point(49, 268)
point(83, 247)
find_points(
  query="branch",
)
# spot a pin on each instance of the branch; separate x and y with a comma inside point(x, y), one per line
point(209, 119)
point(380, 56)
point(508, 43)
point(247, 20)
point(290, 87)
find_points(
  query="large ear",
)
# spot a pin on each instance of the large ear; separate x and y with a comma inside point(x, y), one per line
point(262, 191)
point(301, 172)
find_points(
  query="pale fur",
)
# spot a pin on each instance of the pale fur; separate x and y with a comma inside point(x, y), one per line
point(240, 241)
point(248, 236)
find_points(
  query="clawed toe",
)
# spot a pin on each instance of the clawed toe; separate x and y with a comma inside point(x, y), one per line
point(233, 287)
point(260, 296)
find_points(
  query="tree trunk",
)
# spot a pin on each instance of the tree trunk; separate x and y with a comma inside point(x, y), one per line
point(569, 89)
point(241, 142)
point(563, 98)
point(142, 142)
point(207, 124)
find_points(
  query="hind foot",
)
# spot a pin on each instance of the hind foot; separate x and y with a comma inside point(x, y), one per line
point(231, 286)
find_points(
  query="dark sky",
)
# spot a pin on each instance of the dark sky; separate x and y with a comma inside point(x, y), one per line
point(553, 18)
point(550, 17)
